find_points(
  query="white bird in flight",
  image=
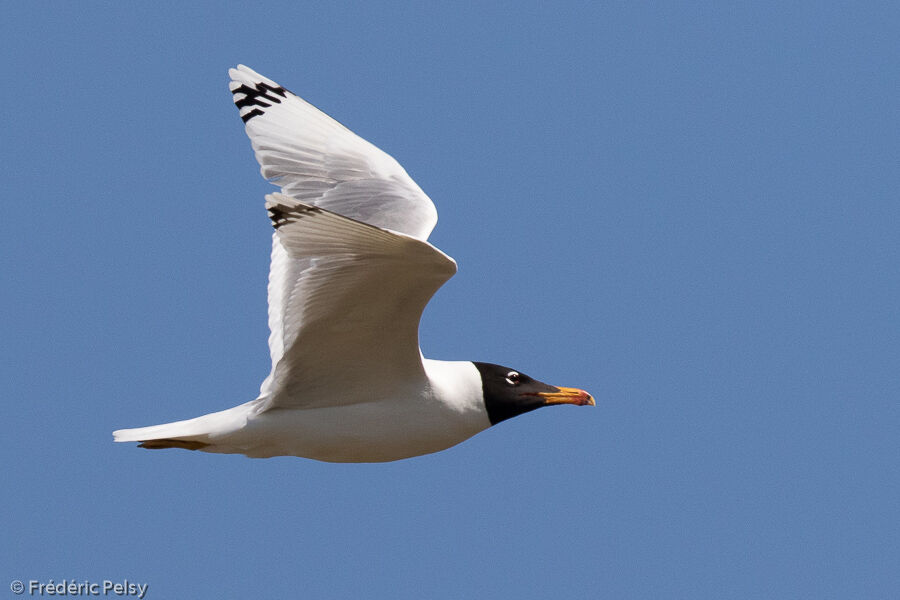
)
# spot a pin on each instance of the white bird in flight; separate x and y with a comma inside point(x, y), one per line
point(351, 273)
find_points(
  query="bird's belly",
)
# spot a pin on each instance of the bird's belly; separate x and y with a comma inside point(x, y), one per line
point(365, 432)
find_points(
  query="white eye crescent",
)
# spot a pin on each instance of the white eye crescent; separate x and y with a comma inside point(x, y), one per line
point(512, 378)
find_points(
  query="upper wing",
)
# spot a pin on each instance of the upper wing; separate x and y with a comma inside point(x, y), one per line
point(317, 160)
point(351, 313)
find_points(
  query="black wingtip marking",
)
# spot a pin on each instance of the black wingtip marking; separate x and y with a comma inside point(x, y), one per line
point(282, 214)
point(249, 115)
point(259, 94)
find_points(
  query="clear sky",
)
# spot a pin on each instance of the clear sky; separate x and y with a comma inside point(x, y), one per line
point(690, 210)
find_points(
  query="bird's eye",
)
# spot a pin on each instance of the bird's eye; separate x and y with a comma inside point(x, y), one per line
point(512, 378)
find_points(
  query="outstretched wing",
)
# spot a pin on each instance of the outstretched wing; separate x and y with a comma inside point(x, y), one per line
point(352, 314)
point(316, 160)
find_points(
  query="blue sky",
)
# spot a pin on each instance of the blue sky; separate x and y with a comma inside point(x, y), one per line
point(690, 210)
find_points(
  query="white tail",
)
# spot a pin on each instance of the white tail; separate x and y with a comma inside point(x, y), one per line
point(191, 434)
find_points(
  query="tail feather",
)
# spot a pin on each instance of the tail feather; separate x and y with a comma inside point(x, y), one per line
point(191, 434)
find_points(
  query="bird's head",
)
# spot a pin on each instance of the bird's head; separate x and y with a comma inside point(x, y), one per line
point(509, 392)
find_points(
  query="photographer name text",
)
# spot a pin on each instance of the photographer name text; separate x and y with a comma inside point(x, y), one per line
point(72, 587)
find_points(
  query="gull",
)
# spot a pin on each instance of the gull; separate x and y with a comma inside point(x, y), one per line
point(351, 272)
